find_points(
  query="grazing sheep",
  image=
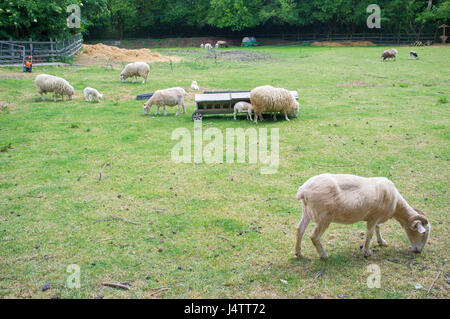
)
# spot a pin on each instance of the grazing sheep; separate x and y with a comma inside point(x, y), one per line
point(389, 54)
point(413, 55)
point(170, 97)
point(347, 199)
point(241, 107)
point(221, 44)
point(269, 99)
point(91, 94)
point(208, 46)
point(135, 69)
point(46, 83)
point(202, 46)
point(194, 86)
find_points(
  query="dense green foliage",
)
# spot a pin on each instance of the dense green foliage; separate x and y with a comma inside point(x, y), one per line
point(47, 18)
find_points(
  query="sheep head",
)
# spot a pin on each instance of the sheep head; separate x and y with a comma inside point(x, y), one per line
point(418, 231)
point(147, 107)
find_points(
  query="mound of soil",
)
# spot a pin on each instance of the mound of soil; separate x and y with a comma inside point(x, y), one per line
point(101, 51)
point(343, 44)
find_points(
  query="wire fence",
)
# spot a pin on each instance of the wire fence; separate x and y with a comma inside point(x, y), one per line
point(42, 51)
point(376, 38)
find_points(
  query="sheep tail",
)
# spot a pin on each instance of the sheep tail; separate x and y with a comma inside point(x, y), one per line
point(300, 194)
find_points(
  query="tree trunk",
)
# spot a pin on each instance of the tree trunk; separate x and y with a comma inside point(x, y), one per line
point(430, 4)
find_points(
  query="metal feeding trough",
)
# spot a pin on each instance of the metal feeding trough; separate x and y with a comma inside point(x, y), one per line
point(221, 102)
point(144, 96)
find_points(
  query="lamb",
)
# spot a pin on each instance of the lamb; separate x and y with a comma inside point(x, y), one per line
point(194, 86)
point(269, 99)
point(46, 83)
point(135, 69)
point(389, 54)
point(241, 107)
point(221, 44)
point(347, 199)
point(208, 46)
point(170, 97)
point(91, 94)
point(413, 54)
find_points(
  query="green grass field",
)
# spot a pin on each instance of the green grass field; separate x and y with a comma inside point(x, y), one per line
point(220, 230)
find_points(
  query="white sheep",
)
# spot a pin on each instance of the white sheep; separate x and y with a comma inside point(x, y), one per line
point(389, 54)
point(135, 69)
point(347, 199)
point(46, 83)
point(91, 94)
point(269, 99)
point(241, 107)
point(208, 46)
point(194, 86)
point(221, 44)
point(168, 97)
point(202, 46)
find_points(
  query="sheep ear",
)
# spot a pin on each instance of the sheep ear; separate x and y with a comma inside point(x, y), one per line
point(417, 225)
point(420, 228)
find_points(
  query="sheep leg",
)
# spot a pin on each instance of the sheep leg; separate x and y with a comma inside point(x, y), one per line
point(184, 107)
point(234, 115)
point(133, 80)
point(380, 239)
point(165, 111)
point(366, 247)
point(42, 97)
point(54, 97)
point(261, 117)
point(157, 110)
point(274, 116)
point(317, 234)
point(250, 114)
point(256, 118)
point(178, 110)
point(286, 116)
point(301, 227)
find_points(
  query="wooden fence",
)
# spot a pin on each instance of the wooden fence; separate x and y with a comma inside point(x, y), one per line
point(46, 51)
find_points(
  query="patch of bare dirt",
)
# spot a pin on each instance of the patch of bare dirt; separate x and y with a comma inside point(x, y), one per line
point(15, 74)
point(94, 53)
point(360, 84)
point(343, 44)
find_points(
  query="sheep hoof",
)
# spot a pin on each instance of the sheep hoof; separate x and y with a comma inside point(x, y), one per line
point(298, 255)
point(367, 253)
point(383, 243)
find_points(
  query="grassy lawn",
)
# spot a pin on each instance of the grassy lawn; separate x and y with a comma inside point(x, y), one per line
point(221, 230)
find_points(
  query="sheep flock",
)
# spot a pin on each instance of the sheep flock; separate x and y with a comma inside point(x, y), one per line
point(325, 198)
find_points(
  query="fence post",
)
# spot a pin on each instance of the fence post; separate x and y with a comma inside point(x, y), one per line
point(51, 48)
point(11, 48)
point(31, 46)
